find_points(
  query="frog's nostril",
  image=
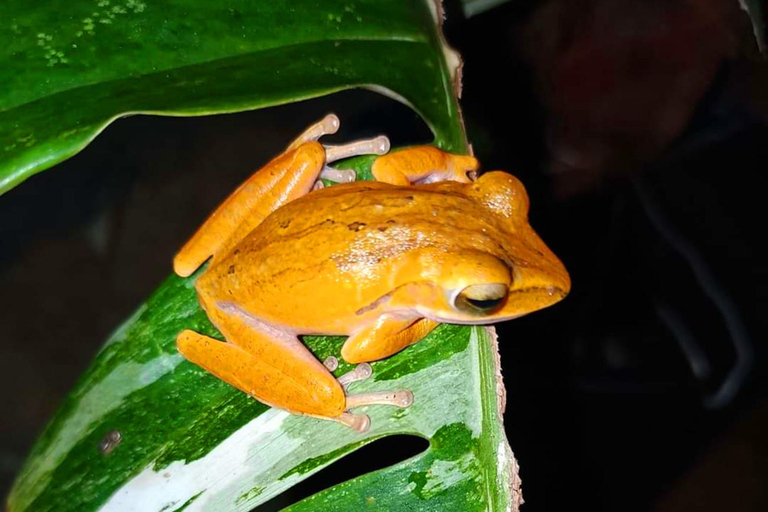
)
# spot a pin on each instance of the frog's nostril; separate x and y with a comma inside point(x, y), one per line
point(559, 292)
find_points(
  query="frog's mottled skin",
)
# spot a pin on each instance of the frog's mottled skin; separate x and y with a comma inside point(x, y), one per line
point(381, 262)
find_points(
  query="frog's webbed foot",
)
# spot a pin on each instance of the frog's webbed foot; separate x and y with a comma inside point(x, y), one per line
point(361, 422)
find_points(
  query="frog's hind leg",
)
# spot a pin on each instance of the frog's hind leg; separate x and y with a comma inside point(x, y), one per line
point(280, 374)
point(287, 177)
point(274, 367)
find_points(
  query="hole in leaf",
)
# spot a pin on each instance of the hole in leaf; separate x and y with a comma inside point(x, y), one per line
point(380, 454)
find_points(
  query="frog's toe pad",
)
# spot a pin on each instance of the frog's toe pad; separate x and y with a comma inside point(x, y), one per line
point(362, 371)
point(358, 422)
point(338, 175)
point(332, 363)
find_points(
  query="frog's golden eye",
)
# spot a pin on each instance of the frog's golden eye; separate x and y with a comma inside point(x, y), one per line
point(481, 299)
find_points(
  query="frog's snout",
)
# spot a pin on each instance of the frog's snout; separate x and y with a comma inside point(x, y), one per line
point(560, 284)
point(537, 288)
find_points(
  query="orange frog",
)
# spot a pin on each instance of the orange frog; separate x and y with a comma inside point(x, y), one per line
point(383, 262)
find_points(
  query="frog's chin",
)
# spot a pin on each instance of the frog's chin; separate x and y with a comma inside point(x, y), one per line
point(476, 320)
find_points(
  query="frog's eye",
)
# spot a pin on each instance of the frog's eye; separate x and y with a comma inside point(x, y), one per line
point(481, 298)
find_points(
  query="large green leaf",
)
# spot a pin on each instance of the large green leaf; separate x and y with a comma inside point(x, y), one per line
point(186, 435)
point(187, 440)
point(756, 11)
point(69, 67)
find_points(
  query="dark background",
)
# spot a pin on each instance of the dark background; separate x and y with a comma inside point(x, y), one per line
point(639, 128)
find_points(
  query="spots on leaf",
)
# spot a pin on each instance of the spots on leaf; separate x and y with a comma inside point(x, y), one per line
point(110, 441)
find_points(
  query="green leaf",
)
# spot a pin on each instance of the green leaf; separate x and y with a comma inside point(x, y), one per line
point(144, 429)
point(70, 67)
point(756, 11)
point(186, 435)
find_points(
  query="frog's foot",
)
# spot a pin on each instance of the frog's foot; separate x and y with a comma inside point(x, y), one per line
point(329, 125)
point(375, 146)
point(361, 422)
point(326, 126)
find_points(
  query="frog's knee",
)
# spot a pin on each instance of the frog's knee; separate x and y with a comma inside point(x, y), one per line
point(326, 399)
point(185, 340)
point(311, 153)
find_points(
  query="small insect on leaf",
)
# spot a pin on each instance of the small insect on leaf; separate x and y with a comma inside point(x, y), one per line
point(110, 441)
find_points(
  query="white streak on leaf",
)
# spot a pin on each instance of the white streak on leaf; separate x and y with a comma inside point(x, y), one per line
point(91, 408)
point(263, 452)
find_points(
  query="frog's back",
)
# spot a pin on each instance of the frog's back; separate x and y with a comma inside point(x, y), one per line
point(341, 247)
point(371, 219)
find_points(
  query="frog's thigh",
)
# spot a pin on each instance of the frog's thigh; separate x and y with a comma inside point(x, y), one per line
point(287, 377)
point(386, 337)
point(285, 178)
point(423, 164)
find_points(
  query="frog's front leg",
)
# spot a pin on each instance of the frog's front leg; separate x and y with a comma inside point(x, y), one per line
point(274, 367)
point(423, 164)
point(386, 337)
point(289, 176)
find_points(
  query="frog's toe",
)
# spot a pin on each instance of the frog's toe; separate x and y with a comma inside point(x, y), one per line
point(332, 363)
point(338, 175)
point(326, 126)
point(375, 146)
point(400, 398)
point(361, 422)
point(358, 422)
point(361, 372)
